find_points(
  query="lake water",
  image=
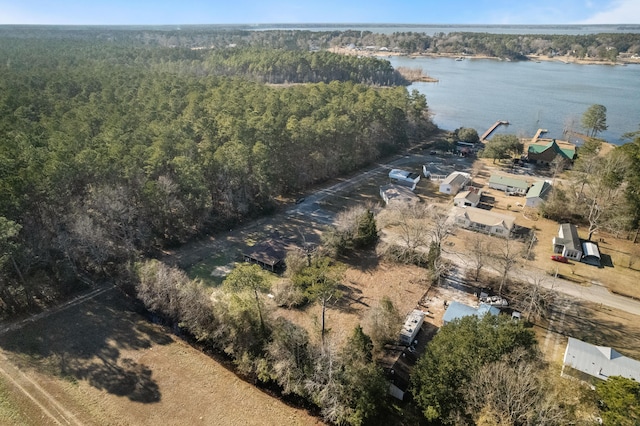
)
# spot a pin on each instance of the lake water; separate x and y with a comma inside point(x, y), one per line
point(550, 95)
point(431, 29)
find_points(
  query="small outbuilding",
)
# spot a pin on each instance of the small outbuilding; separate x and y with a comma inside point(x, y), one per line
point(591, 254)
point(269, 254)
point(460, 310)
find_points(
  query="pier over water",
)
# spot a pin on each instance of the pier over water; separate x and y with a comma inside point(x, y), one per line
point(497, 124)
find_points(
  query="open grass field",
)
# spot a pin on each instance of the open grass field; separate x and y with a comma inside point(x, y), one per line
point(101, 363)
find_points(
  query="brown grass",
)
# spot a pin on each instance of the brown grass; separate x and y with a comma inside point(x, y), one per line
point(109, 366)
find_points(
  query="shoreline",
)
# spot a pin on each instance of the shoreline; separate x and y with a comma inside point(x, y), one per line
point(531, 58)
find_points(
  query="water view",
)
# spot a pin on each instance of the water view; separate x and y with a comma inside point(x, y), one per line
point(530, 95)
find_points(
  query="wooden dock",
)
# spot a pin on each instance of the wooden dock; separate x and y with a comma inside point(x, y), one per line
point(538, 134)
point(497, 124)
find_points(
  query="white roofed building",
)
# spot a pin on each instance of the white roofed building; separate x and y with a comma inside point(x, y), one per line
point(454, 182)
point(485, 221)
point(469, 198)
point(601, 362)
point(411, 326)
point(590, 253)
point(403, 177)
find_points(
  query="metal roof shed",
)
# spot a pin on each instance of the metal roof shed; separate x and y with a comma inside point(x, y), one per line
point(459, 310)
point(591, 254)
point(599, 361)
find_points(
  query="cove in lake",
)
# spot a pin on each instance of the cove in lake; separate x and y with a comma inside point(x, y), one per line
point(550, 95)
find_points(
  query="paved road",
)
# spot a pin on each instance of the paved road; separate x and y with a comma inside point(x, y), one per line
point(594, 293)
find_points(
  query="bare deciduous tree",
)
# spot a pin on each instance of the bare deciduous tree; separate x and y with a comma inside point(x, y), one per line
point(410, 223)
point(512, 392)
point(505, 256)
point(479, 252)
point(532, 298)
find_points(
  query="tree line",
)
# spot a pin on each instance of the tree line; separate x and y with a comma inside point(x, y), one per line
point(604, 46)
point(104, 159)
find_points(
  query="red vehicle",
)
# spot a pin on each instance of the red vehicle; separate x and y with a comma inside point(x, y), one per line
point(559, 258)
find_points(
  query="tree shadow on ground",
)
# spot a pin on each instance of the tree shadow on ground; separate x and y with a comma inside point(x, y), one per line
point(351, 299)
point(89, 342)
point(362, 260)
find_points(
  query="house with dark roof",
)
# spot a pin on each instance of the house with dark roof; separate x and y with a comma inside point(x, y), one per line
point(457, 310)
point(268, 254)
point(600, 362)
point(545, 153)
point(567, 243)
point(509, 184)
point(538, 193)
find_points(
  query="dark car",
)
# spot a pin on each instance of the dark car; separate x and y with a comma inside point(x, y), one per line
point(559, 258)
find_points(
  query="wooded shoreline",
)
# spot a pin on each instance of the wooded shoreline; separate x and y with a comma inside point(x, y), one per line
point(535, 58)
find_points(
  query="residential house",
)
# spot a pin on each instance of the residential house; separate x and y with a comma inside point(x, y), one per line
point(470, 198)
point(454, 182)
point(485, 221)
point(457, 310)
point(600, 362)
point(545, 153)
point(538, 193)
point(397, 194)
point(509, 184)
point(568, 242)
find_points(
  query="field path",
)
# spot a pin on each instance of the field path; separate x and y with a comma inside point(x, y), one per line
point(47, 403)
point(66, 305)
point(22, 382)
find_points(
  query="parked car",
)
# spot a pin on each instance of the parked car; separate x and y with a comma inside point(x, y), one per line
point(559, 258)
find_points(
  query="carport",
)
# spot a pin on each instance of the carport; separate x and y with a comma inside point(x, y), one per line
point(591, 254)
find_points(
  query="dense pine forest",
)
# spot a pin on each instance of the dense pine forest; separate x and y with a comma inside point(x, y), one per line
point(604, 46)
point(110, 149)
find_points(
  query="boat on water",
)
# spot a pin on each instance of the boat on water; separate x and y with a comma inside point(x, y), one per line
point(459, 58)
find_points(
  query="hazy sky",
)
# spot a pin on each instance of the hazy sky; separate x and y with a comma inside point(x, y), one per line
point(326, 11)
